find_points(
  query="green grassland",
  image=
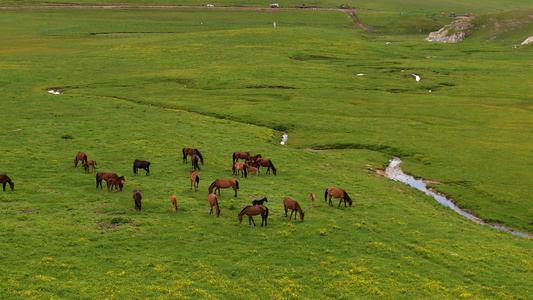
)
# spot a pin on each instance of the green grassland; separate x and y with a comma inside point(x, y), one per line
point(142, 84)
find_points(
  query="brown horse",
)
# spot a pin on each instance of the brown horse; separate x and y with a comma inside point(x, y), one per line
point(213, 201)
point(194, 162)
point(137, 197)
point(241, 155)
point(101, 176)
point(5, 179)
point(263, 162)
point(240, 167)
point(339, 194)
point(191, 151)
point(251, 169)
point(260, 202)
point(116, 182)
point(90, 166)
point(174, 201)
point(253, 210)
point(195, 180)
point(312, 197)
point(223, 184)
point(295, 208)
point(80, 157)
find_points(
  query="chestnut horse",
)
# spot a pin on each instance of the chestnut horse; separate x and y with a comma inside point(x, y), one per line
point(137, 197)
point(213, 201)
point(263, 162)
point(191, 151)
point(141, 164)
point(195, 180)
point(90, 164)
point(260, 202)
point(253, 210)
point(116, 182)
point(80, 157)
point(312, 197)
point(251, 169)
point(244, 155)
point(240, 167)
point(339, 194)
point(295, 208)
point(5, 179)
point(174, 201)
point(100, 176)
point(223, 184)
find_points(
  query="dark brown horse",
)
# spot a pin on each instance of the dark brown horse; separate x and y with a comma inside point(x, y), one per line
point(90, 165)
point(223, 184)
point(194, 161)
point(190, 151)
point(260, 202)
point(263, 162)
point(5, 179)
point(80, 157)
point(213, 201)
point(137, 197)
point(253, 210)
point(240, 167)
point(241, 155)
point(339, 194)
point(295, 208)
point(141, 164)
point(101, 176)
point(195, 180)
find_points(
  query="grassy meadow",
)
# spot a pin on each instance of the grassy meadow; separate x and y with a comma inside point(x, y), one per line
point(143, 84)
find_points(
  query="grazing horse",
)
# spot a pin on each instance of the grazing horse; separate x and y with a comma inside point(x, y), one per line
point(240, 154)
point(260, 202)
point(253, 210)
point(251, 169)
point(213, 201)
point(174, 201)
point(90, 164)
point(254, 157)
point(137, 197)
point(5, 179)
point(194, 161)
point(116, 182)
point(295, 208)
point(263, 162)
point(195, 180)
point(80, 157)
point(339, 194)
point(100, 176)
point(240, 167)
point(141, 164)
point(312, 197)
point(191, 151)
point(223, 184)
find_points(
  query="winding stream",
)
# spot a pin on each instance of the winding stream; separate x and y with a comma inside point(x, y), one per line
point(394, 172)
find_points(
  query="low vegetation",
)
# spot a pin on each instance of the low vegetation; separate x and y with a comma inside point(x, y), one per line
point(143, 84)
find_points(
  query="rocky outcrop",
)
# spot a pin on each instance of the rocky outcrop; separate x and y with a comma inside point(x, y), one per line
point(455, 32)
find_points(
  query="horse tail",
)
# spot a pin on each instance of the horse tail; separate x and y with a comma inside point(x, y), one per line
point(233, 169)
point(326, 195)
point(266, 212)
point(245, 172)
point(236, 184)
point(197, 179)
point(184, 154)
point(273, 168)
point(95, 162)
point(233, 157)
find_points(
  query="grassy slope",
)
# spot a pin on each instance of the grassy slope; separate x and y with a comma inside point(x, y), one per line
point(59, 234)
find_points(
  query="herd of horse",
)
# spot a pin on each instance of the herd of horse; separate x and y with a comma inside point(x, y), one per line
point(251, 163)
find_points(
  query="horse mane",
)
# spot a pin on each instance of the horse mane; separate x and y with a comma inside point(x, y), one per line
point(199, 155)
point(212, 185)
point(244, 209)
point(347, 197)
point(272, 166)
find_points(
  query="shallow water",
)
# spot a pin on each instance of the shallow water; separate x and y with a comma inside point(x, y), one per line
point(394, 172)
point(284, 138)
